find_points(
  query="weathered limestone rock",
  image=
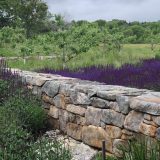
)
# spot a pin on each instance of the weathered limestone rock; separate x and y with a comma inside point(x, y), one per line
point(80, 120)
point(66, 89)
point(126, 137)
point(37, 80)
point(146, 103)
point(47, 99)
point(111, 117)
point(123, 103)
point(114, 106)
point(67, 100)
point(158, 133)
point(95, 137)
point(148, 130)
point(76, 109)
point(150, 123)
point(93, 116)
point(99, 103)
point(53, 112)
point(113, 132)
point(51, 88)
point(156, 119)
point(109, 95)
point(79, 98)
point(59, 101)
point(127, 132)
point(64, 118)
point(74, 131)
point(147, 117)
point(133, 121)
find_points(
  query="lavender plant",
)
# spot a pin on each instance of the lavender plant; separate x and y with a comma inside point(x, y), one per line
point(143, 75)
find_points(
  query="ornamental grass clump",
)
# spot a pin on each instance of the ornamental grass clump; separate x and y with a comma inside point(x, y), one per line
point(141, 148)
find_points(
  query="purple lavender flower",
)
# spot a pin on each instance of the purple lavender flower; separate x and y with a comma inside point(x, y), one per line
point(143, 75)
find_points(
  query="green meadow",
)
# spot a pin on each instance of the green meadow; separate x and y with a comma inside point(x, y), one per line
point(130, 53)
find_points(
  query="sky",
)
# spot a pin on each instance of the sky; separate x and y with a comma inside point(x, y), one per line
point(91, 10)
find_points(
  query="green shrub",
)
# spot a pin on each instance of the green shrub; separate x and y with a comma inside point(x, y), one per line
point(14, 141)
point(29, 110)
point(3, 90)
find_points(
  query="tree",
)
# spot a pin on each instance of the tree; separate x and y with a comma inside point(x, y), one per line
point(31, 14)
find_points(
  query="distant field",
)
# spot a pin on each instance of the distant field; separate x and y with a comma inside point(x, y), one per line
point(130, 53)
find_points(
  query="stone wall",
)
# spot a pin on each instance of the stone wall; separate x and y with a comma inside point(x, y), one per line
point(91, 112)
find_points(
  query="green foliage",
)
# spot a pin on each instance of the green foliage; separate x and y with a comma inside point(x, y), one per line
point(99, 157)
point(26, 51)
point(28, 14)
point(28, 110)
point(141, 149)
point(14, 141)
point(3, 90)
point(51, 150)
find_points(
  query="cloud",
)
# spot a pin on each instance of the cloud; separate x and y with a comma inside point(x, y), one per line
point(130, 10)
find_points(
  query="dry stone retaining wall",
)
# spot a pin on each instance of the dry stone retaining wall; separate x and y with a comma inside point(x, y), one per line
point(91, 112)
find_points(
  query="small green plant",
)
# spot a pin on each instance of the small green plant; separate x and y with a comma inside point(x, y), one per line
point(51, 149)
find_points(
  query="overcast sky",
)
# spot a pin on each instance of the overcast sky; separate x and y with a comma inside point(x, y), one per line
point(130, 10)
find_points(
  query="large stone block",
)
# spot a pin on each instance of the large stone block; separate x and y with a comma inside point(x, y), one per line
point(109, 95)
point(74, 131)
point(93, 116)
point(51, 88)
point(79, 98)
point(148, 103)
point(111, 117)
point(114, 106)
point(59, 101)
point(156, 119)
point(66, 89)
point(123, 103)
point(158, 133)
point(133, 121)
point(99, 103)
point(47, 99)
point(113, 132)
point(76, 109)
point(148, 130)
point(37, 80)
point(53, 112)
point(64, 118)
point(94, 136)
point(80, 120)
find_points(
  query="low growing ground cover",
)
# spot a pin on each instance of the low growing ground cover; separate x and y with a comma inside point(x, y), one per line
point(145, 74)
